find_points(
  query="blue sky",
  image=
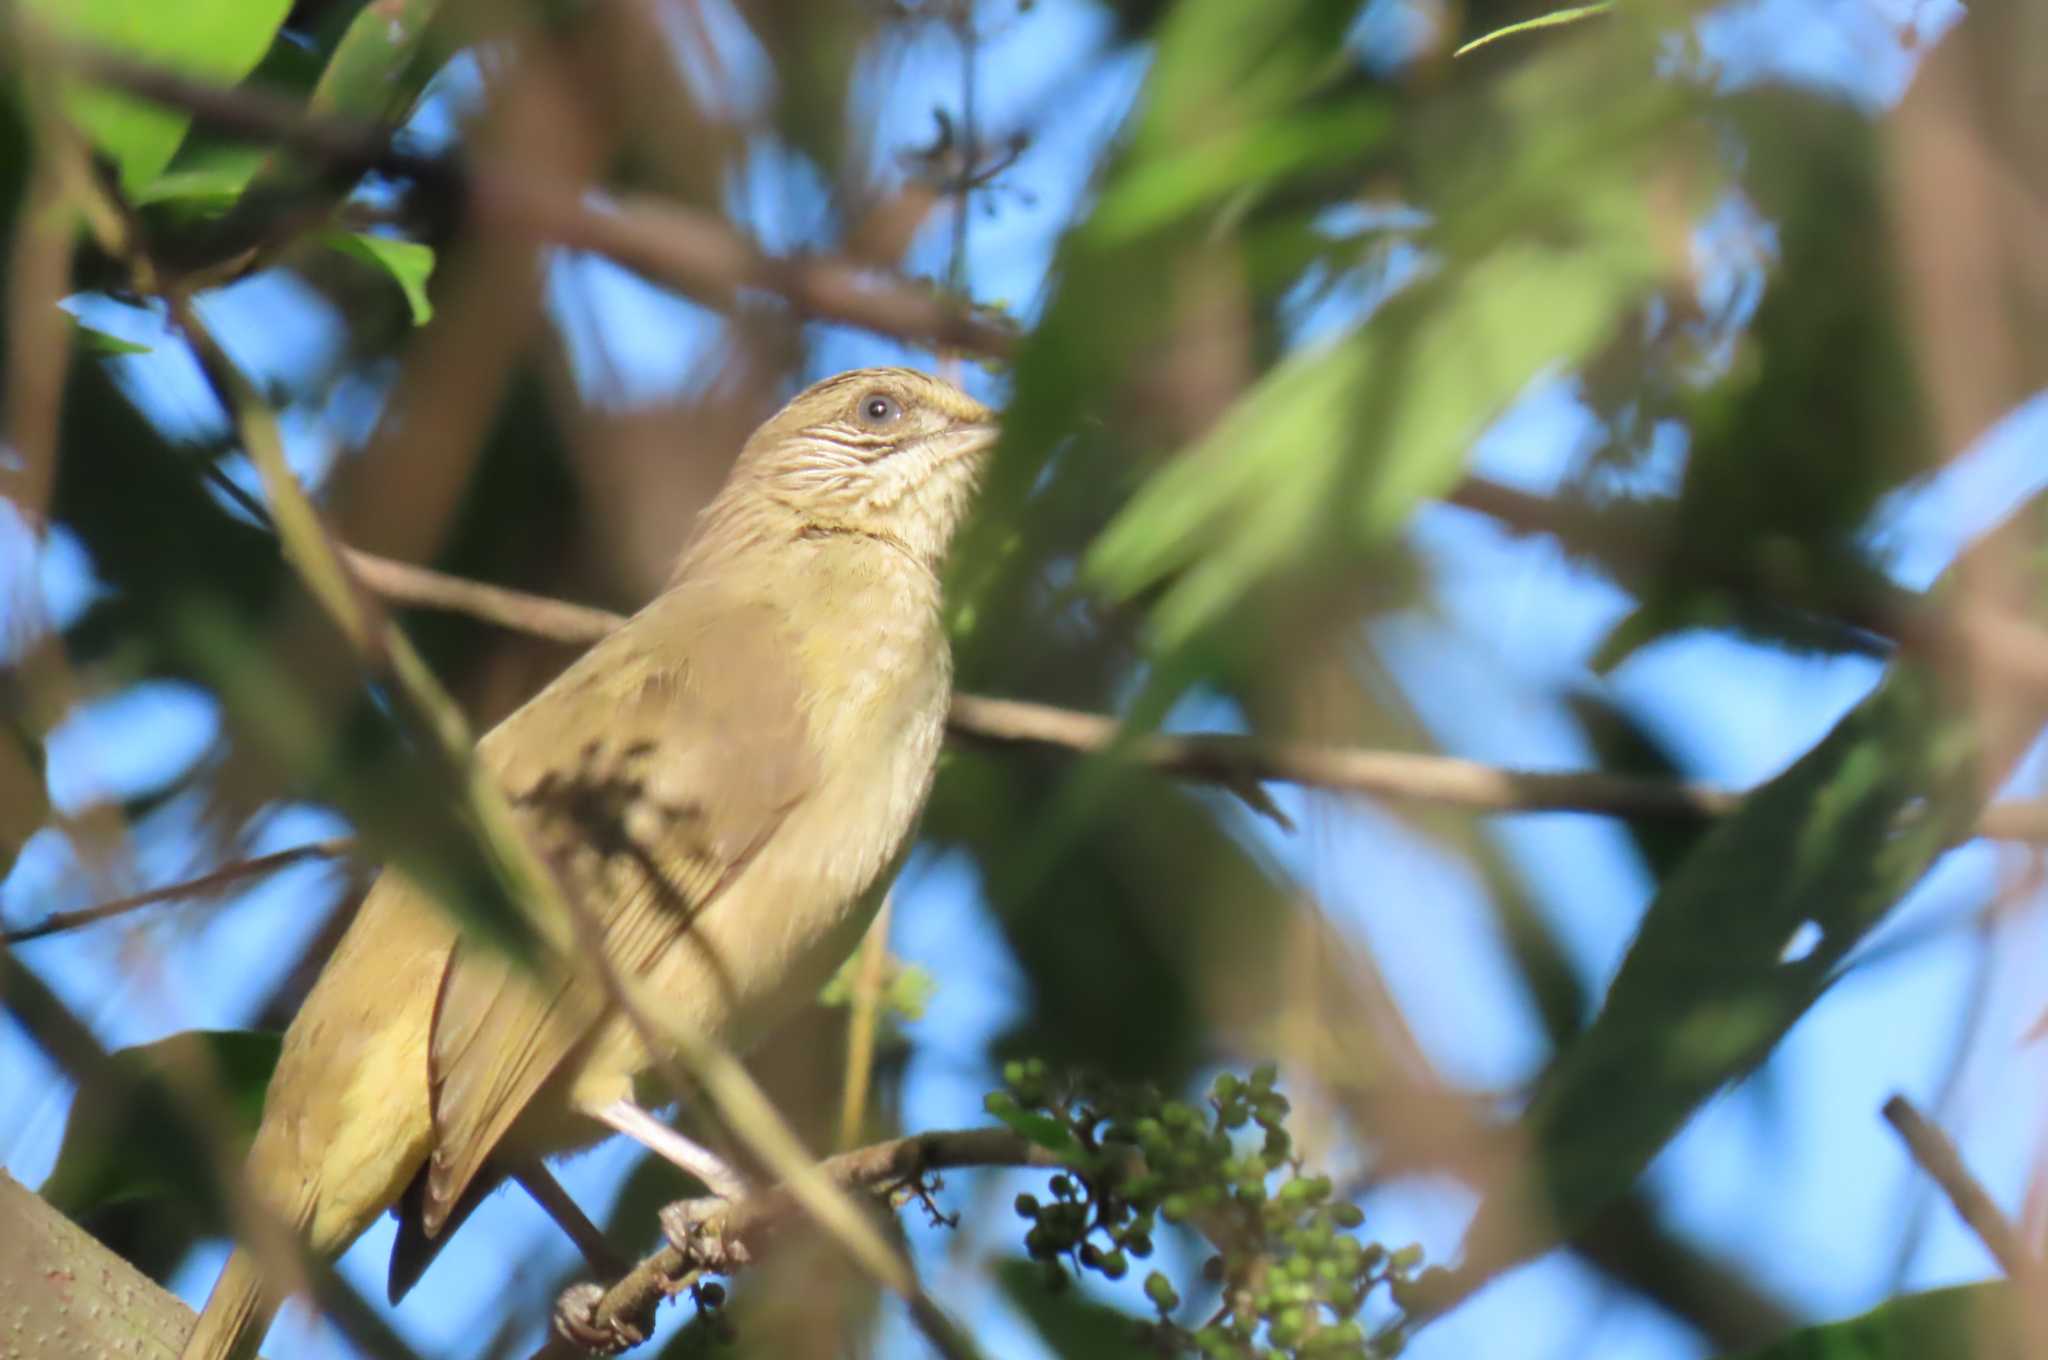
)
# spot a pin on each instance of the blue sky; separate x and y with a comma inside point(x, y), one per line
point(1793, 1174)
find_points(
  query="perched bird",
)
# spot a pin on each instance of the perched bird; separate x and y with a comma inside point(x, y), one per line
point(724, 786)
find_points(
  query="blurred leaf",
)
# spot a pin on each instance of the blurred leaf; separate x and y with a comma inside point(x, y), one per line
point(204, 180)
point(1811, 412)
point(221, 198)
point(115, 1152)
point(1148, 930)
point(1157, 191)
point(99, 342)
point(212, 168)
point(1225, 79)
point(907, 988)
point(1625, 743)
point(220, 40)
point(1967, 1322)
point(1705, 991)
point(200, 594)
point(1368, 427)
point(1072, 1325)
point(1822, 414)
point(1555, 19)
point(409, 263)
point(814, 48)
point(24, 791)
point(130, 1169)
point(373, 74)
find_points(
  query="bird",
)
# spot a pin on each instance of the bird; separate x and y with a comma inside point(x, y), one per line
point(723, 786)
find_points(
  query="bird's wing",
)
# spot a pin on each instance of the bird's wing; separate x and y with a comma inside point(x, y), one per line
point(648, 786)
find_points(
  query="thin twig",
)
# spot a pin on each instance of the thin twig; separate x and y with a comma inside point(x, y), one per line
point(695, 252)
point(1227, 759)
point(1936, 1155)
point(536, 615)
point(701, 256)
point(212, 882)
point(880, 1167)
point(542, 1187)
point(863, 1025)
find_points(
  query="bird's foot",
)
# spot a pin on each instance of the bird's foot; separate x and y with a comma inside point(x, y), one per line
point(698, 1229)
point(578, 1323)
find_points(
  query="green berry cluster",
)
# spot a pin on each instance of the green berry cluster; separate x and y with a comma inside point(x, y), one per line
point(1288, 1275)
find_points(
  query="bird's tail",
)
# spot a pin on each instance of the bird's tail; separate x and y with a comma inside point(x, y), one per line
point(237, 1313)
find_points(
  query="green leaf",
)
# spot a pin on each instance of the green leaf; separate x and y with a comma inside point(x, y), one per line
point(1042, 1129)
point(1705, 991)
point(1186, 178)
point(409, 263)
point(373, 73)
point(1555, 19)
point(907, 988)
point(216, 40)
point(1230, 85)
point(1968, 1322)
point(203, 181)
point(101, 343)
point(1072, 1325)
point(118, 1152)
point(1365, 429)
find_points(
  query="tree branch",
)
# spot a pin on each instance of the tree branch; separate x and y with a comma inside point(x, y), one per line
point(1872, 617)
point(1226, 759)
point(213, 881)
point(1229, 760)
point(1936, 1155)
point(694, 252)
point(722, 1235)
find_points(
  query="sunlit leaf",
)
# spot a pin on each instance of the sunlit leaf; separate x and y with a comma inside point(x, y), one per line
point(371, 74)
point(219, 40)
point(1361, 431)
point(1159, 189)
point(96, 341)
point(409, 263)
point(203, 181)
point(1043, 1130)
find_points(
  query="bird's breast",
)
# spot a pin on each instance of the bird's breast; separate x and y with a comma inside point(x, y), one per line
point(876, 683)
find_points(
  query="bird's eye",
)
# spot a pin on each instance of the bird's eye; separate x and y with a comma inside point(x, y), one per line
point(879, 409)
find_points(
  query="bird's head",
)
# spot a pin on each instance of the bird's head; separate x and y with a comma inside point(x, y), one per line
point(889, 454)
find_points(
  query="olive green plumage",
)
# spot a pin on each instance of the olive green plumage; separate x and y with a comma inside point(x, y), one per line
point(724, 785)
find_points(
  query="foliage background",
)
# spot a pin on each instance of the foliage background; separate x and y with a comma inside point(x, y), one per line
point(1602, 399)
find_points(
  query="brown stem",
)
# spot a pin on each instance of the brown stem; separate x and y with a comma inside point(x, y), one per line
point(214, 881)
point(695, 252)
point(878, 1168)
point(1936, 1155)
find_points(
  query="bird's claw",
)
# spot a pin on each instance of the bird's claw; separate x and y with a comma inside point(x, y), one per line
point(697, 1229)
point(576, 1321)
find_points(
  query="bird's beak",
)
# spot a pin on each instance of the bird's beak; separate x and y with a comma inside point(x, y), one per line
point(964, 441)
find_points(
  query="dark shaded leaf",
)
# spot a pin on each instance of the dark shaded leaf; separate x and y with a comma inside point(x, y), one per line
point(1967, 1322)
point(1626, 744)
point(1705, 991)
point(129, 1168)
point(1071, 1325)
